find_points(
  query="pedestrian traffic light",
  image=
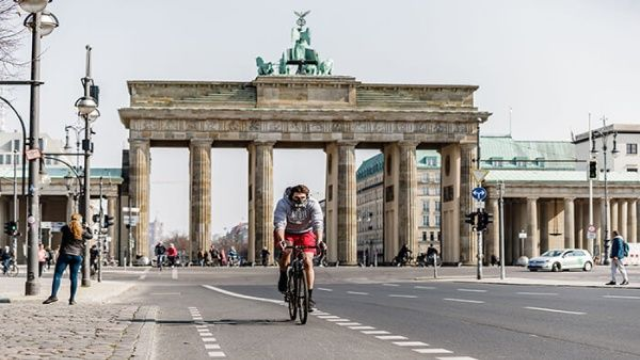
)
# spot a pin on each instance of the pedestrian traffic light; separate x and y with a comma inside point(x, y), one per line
point(593, 169)
point(108, 221)
point(470, 218)
point(11, 228)
point(484, 219)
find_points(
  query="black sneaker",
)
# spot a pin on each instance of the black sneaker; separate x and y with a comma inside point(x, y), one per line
point(312, 305)
point(611, 283)
point(50, 300)
point(626, 282)
point(282, 282)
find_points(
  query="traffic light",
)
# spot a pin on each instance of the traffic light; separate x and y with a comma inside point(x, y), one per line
point(11, 228)
point(108, 221)
point(470, 218)
point(95, 218)
point(593, 169)
point(485, 219)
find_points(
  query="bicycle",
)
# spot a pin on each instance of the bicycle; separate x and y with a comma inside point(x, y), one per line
point(12, 269)
point(297, 293)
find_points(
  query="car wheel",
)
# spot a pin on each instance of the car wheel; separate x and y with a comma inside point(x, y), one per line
point(556, 267)
point(587, 266)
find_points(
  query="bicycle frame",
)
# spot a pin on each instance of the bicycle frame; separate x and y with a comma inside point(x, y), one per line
point(297, 294)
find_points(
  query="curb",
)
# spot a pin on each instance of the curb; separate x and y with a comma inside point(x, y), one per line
point(144, 346)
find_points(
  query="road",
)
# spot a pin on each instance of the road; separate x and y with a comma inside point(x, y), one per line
point(383, 313)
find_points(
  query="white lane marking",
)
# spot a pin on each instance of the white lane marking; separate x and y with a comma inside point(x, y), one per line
point(409, 343)
point(456, 358)
point(555, 310)
point(361, 327)
point(432, 351)
point(337, 320)
point(424, 287)
point(375, 332)
point(403, 296)
point(390, 284)
point(349, 324)
point(174, 274)
point(212, 346)
point(210, 339)
point(208, 334)
point(197, 318)
point(144, 274)
point(357, 293)
point(246, 297)
point(473, 290)
point(328, 317)
point(319, 313)
point(622, 297)
point(324, 289)
point(165, 294)
point(464, 301)
point(217, 354)
point(537, 293)
point(391, 337)
point(201, 330)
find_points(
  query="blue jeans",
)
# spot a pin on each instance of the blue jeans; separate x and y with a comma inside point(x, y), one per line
point(5, 265)
point(74, 262)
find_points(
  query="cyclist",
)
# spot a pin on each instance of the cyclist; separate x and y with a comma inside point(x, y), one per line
point(298, 221)
point(6, 259)
point(432, 255)
point(403, 255)
point(159, 251)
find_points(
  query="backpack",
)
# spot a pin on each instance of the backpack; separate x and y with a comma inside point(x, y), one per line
point(625, 247)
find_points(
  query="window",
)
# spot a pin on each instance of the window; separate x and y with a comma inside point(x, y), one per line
point(7, 159)
point(1, 160)
point(425, 220)
point(632, 169)
point(539, 162)
point(425, 190)
point(425, 206)
point(437, 205)
point(437, 220)
point(632, 149)
point(520, 162)
point(496, 162)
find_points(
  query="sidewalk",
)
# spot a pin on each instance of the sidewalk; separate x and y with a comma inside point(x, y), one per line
point(95, 328)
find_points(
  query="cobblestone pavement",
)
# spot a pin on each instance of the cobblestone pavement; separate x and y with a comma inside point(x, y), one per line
point(84, 331)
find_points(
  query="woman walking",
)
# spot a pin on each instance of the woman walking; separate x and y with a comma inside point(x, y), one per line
point(71, 250)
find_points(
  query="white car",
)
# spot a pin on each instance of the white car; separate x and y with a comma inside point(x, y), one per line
point(558, 260)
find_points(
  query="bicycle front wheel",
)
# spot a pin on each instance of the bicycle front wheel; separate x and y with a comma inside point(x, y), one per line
point(303, 297)
point(13, 270)
point(292, 298)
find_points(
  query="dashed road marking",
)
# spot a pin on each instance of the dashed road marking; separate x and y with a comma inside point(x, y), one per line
point(324, 289)
point(206, 335)
point(328, 317)
point(391, 337)
point(337, 320)
point(375, 332)
point(395, 285)
point(409, 343)
point(174, 274)
point(209, 339)
point(536, 293)
point(403, 296)
point(212, 346)
point(361, 327)
point(555, 310)
point(473, 290)
point(357, 293)
point(432, 351)
point(456, 358)
point(216, 354)
point(622, 297)
point(464, 301)
point(349, 324)
point(424, 287)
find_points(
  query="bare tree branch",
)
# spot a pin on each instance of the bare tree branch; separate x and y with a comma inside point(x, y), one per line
point(10, 35)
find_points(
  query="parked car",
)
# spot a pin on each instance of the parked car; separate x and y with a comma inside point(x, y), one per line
point(559, 260)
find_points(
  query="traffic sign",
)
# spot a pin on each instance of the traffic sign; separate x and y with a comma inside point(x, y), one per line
point(479, 193)
point(591, 228)
point(479, 174)
point(591, 235)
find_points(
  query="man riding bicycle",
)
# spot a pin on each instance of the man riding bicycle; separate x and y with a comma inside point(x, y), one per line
point(297, 221)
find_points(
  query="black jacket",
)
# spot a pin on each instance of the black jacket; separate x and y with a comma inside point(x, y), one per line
point(72, 246)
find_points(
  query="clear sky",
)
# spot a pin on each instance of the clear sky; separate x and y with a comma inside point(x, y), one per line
point(552, 61)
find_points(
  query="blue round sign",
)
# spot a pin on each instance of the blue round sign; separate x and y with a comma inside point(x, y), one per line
point(479, 193)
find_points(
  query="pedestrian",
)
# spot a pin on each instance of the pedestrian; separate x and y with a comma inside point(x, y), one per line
point(42, 259)
point(264, 255)
point(618, 249)
point(70, 254)
point(172, 254)
point(159, 251)
point(494, 260)
point(49, 258)
point(93, 259)
point(6, 259)
point(200, 258)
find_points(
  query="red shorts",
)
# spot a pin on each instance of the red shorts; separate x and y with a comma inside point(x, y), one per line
point(306, 239)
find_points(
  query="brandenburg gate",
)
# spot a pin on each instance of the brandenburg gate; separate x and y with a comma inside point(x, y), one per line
point(310, 109)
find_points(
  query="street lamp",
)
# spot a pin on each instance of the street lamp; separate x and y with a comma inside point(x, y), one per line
point(87, 107)
point(604, 134)
point(40, 23)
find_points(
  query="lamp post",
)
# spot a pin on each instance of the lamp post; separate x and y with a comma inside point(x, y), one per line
point(604, 135)
point(41, 23)
point(88, 110)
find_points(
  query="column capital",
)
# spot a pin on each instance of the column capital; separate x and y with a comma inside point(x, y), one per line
point(409, 144)
point(200, 142)
point(139, 142)
point(263, 143)
point(346, 143)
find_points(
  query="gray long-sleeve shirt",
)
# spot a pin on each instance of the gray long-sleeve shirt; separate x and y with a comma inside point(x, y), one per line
point(297, 220)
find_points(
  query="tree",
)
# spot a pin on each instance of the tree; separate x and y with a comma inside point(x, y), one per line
point(10, 34)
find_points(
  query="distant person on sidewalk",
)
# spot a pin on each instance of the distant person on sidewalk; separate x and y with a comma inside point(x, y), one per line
point(618, 249)
point(5, 256)
point(159, 251)
point(42, 259)
point(49, 258)
point(71, 250)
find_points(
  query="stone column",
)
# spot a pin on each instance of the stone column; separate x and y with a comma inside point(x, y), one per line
point(331, 203)
point(390, 204)
point(140, 166)
point(407, 192)
point(261, 197)
point(113, 211)
point(493, 241)
point(569, 224)
point(615, 218)
point(200, 215)
point(632, 221)
point(532, 245)
point(622, 218)
point(347, 205)
point(580, 225)
point(468, 237)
